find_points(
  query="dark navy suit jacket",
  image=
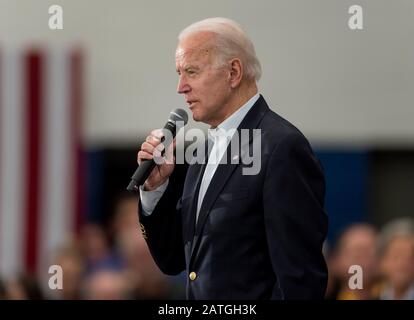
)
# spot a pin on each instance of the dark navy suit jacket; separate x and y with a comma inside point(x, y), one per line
point(257, 236)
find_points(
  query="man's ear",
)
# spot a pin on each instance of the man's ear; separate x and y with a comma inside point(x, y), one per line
point(236, 72)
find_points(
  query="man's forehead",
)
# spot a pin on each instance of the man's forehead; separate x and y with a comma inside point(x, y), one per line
point(186, 56)
point(195, 46)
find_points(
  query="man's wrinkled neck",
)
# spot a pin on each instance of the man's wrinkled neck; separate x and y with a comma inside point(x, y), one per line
point(240, 98)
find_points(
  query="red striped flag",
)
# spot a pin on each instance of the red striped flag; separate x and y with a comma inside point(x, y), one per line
point(41, 181)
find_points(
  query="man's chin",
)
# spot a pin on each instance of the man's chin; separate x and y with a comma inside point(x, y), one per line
point(196, 117)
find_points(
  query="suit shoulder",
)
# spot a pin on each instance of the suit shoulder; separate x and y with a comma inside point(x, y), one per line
point(276, 129)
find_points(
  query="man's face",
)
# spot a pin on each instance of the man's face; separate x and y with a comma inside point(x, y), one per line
point(357, 248)
point(398, 261)
point(206, 87)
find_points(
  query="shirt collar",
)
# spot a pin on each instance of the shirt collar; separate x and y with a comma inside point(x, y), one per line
point(235, 119)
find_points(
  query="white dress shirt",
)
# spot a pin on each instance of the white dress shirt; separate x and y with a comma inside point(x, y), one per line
point(221, 137)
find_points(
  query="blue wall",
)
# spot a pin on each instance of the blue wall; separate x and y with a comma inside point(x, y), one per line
point(346, 174)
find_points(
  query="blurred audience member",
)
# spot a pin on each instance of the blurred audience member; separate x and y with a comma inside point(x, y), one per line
point(106, 285)
point(70, 259)
point(23, 287)
point(95, 270)
point(96, 250)
point(125, 215)
point(356, 246)
point(396, 251)
point(147, 280)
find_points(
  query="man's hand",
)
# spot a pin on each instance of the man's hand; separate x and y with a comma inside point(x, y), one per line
point(152, 149)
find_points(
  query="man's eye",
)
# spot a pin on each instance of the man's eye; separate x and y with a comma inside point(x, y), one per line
point(191, 72)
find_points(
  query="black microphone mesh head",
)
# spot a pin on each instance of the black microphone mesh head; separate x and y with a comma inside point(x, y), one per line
point(178, 115)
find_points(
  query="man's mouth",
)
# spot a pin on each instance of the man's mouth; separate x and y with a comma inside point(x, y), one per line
point(191, 103)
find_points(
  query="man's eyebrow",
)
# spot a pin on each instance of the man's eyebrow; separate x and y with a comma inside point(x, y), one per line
point(186, 68)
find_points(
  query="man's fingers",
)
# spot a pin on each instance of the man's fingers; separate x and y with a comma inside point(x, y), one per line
point(154, 141)
point(153, 146)
point(169, 154)
point(154, 138)
point(147, 147)
point(142, 155)
point(158, 152)
point(157, 134)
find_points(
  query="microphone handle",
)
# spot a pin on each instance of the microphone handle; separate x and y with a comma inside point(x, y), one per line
point(141, 174)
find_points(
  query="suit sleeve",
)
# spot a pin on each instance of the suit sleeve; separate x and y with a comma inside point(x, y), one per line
point(162, 230)
point(295, 220)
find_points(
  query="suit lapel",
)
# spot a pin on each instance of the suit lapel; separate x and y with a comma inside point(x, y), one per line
point(194, 175)
point(224, 171)
point(193, 181)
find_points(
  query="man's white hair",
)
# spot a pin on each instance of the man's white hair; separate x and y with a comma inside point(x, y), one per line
point(231, 41)
point(402, 227)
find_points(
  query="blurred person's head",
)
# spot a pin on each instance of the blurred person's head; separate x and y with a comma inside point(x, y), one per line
point(125, 215)
point(141, 270)
point(106, 285)
point(217, 68)
point(128, 238)
point(355, 246)
point(124, 228)
point(396, 252)
point(70, 260)
point(94, 242)
point(97, 251)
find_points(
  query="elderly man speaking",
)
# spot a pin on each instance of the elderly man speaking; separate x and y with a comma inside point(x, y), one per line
point(237, 235)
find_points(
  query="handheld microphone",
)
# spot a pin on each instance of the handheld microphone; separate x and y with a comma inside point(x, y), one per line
point(143, 171)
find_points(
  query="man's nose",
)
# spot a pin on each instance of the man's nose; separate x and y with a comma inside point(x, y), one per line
point(183, 86)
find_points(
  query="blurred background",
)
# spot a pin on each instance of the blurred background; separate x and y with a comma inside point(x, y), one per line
point(76, 103)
